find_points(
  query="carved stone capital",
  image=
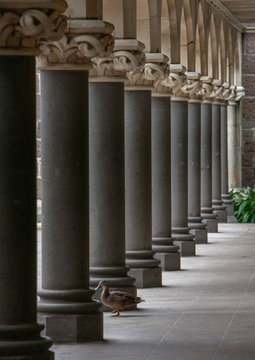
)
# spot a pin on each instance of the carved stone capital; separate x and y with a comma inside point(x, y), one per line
point(84, 40)
point(226, 91)
point(240, 93)
point(176, 80)
point(217, 90)
point(23, 24)
point(206, 88)
point(232, 96)
point(156, 70)
point(193, 85)
point(126, 60)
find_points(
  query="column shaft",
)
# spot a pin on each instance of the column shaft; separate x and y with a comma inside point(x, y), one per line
point(179, 178)
point(162, 241)
point(224, 166)
point(232, 145)
point(218, 207)
point(198, 228)
point(66, 306)
point(139, 254)
point(107, 186)
point(207, 215)
point(19, 332)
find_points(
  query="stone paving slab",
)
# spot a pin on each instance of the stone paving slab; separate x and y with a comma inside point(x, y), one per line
point(204, 312)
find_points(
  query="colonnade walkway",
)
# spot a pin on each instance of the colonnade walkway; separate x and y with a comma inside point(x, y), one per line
point(206, 311)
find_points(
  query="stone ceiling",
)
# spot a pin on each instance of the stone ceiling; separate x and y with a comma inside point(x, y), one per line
point(243, 10)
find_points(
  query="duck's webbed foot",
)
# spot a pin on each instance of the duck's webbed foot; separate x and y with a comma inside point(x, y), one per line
point(116, 312)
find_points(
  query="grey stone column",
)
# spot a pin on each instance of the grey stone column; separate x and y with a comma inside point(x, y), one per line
point(19, 331)
point(179, 178)
point(139, 254)
point(197, 227)
point(207, 215)
point(162, 241)
point(107, 186)
point(218, 207)
point(227, 202)
point(65, 299)
point(232, 144)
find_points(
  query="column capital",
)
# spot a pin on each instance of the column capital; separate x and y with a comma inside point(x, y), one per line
point(232, 95)
point(125, 62)
point(217, 90)
point(84, 40)
point(23, 24)
point(206, 89)
point(240, 93)
point(192, 88)
point(176, 81)
point(226, 92)
point(155, 71)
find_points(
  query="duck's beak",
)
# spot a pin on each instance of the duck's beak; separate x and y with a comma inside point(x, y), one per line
point(98, 287)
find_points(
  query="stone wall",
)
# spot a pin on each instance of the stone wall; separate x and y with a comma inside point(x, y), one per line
point(38, 137)
point(248, 111)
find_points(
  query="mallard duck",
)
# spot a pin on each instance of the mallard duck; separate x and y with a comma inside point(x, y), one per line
point(118, 300)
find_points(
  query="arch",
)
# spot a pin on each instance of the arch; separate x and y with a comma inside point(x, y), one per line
point(155, 24)
point(165, 30)
point(212, 50)
point(198, 64)
point(222, 54)
point(174, 11)
point(183, 41)
point(201, 48)
point(230, 56)
point(190, 41)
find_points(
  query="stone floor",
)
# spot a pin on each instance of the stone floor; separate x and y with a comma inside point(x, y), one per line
point(204, 312)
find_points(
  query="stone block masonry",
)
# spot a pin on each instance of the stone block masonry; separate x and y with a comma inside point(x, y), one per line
point(248, 110)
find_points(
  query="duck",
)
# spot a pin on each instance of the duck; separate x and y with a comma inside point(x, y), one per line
point(118, 300)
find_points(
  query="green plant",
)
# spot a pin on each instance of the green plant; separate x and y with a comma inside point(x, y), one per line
point(244, 204)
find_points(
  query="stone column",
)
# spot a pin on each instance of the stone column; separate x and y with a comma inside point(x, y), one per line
point(107, 186)
point(107, 191)
point(232, 143)
point(139, 254)
point(207, 215)
point(218, 207)
point(19, 332)
point(197, 227)
point(179, 163)
point(162, 241)
point(66, 306)
point(224, 166)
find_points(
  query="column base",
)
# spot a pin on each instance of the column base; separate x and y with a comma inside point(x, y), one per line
point(24, 342)
point(229, 208)
point(198, 229)
point(221, 215)
point(220, 211)
point(66, 328)
point(211, 224)
point(147, 277)
point(167, 253)
point(200, 235)
point(230, 211)
point(127, 289)
point(184, 240)
point(169, 261)
point(187, 248)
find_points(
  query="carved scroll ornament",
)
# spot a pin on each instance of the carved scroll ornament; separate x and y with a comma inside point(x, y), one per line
point(24, 28)
point(76, 50)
